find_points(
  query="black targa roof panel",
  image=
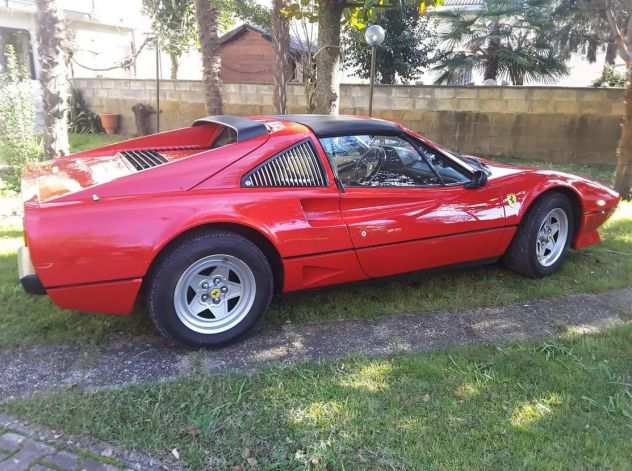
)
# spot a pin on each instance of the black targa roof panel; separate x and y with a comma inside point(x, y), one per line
point(324, 125)
point(244, 128)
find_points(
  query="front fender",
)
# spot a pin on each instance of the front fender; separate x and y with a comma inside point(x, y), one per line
point(594, 201)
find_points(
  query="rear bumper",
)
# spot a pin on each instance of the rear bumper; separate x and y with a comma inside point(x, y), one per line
point(26, 273)
point(111, 297)
point(114, 297)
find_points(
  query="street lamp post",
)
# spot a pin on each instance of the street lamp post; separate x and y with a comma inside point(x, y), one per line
point(374, 36)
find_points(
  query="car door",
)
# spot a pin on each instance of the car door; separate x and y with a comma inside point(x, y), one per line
point(407, 207)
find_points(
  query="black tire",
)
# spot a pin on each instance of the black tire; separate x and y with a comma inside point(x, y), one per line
point(521, 256)
point(170, 267)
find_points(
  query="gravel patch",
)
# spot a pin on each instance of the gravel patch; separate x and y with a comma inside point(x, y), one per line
point(123, 361)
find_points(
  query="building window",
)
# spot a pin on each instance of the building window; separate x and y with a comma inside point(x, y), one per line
point(20, 41)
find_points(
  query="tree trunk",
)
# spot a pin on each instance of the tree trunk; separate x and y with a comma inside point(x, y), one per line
point(175, 63)
point(53, 78)
point(491, 64)
point(623, 180)
point(281, 42)
point(387, 77)
point(517, 78)
point(309, 82)
point(611, 52)
point(328, 58)
point(206, 11)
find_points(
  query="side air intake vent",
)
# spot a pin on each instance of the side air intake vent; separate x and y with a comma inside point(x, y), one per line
point(296, 167)
point(143, 159)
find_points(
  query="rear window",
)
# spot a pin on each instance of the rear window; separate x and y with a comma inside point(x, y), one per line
point(227, 136)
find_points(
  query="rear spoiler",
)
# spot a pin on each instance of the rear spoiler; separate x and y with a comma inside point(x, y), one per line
point(244, 128)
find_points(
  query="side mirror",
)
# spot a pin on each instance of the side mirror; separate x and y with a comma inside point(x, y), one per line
point(479, 179)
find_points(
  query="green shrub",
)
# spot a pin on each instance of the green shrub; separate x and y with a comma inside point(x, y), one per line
point(18, 143)
point(610, 78)
point(80, 119)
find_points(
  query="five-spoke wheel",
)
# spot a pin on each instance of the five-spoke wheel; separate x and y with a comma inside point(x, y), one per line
point(214, 294)
point(552, 237)
point(541, 244)
point(209, 289)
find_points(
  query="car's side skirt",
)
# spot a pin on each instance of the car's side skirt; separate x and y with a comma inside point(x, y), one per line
point(435, 252)
point(313, 271)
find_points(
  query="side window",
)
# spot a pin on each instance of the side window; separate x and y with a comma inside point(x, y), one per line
point(450, 172)
point(378, 161)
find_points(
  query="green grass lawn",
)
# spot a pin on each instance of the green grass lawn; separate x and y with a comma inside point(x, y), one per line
point(603, 173)
point(555, 405)
point(89, 141)
point(29, 320)
point(86, 141)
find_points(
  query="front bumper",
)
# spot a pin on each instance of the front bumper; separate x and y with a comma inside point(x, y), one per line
point(26, 273)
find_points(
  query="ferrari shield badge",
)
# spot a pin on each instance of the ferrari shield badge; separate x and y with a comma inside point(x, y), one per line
point(512, 200)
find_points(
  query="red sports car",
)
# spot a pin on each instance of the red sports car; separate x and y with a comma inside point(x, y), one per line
point(206, 223)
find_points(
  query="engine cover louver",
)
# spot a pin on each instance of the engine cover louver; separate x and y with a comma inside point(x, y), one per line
point(143, 159)
point(297, 166)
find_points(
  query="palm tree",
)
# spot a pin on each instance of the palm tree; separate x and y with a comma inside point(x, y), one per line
point(53, 77)
point(281, 40)
point(207, 17)
point(506, 40)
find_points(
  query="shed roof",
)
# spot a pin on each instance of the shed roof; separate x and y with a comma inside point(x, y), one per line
point(296, 46)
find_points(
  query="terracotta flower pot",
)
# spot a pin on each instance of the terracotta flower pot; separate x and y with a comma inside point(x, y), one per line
point(110, 122)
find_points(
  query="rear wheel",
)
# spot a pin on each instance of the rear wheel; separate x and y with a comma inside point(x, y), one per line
point(210, 289)
point(543, 239)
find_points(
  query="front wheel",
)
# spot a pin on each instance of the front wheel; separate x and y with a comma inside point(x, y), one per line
point(209, 289)
point(543, 239)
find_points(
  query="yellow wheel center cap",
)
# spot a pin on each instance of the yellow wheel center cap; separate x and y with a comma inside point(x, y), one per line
point(215, 293)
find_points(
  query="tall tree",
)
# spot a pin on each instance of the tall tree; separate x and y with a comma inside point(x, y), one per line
point(588, 25)
point(585, 30)
point(408, 47)
point(53, 77)
point(173, 22)
point(281, 41)
point(358, 13)
point(252, 12)
point(506, 40)
point(207, 16)
point(620, 22)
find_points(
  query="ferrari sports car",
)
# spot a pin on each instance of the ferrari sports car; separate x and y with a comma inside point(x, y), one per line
point(203, 225)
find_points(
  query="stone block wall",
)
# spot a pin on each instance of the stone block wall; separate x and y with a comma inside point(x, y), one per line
point(557, 124)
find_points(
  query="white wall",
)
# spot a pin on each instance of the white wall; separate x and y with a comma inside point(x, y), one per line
point(17, 19)
point(98, 47)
